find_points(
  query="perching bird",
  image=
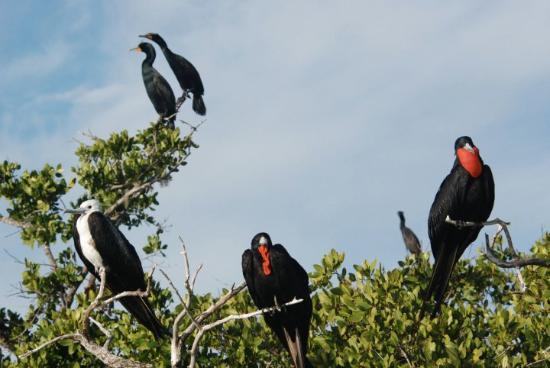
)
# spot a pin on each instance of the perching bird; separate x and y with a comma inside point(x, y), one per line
point(409, 237)
point(274, 278)
point(186, 74)
point(466, 194)
point(101, 245)
point(159, 91)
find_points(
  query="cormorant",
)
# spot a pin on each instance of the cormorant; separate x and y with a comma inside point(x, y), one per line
point(466, 194)
point(186, 74)
point(159, 91)
point(274, 278)
point(409, 237)
point(101, 245)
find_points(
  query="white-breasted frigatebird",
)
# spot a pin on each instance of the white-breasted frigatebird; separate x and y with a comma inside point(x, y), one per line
point(100, 244)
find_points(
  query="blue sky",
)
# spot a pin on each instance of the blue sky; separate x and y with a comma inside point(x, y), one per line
point(324, 119)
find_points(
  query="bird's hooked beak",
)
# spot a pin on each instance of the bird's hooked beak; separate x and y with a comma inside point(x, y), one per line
point(136, 49)
point(469, 148)
point(75, 211)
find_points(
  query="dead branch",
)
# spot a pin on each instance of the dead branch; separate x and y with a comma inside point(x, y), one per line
point(100, 352)
point(203, 329)
point(12, 222)
point(514, 263)
point(49, 255)
point(461, 223)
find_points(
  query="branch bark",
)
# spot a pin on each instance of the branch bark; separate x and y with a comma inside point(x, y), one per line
point(16, 223)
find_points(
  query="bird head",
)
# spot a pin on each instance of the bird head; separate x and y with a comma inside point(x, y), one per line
point(261, 240)
point(144, 47)
point(151, 36)
point(91, 205)
point(155, 37)
point(401, 216)
point(468, 156)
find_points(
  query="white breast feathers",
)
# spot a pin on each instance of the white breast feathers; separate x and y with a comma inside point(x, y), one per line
point(87, 242)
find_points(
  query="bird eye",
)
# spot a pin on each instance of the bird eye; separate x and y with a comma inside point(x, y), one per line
point(90, 207)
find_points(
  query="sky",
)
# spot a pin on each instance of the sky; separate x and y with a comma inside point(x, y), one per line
point(324, 118)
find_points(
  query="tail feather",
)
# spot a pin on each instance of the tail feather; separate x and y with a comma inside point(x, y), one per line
point(440, 278)
point(297, 350)
point(142, 311)
point(198, 104)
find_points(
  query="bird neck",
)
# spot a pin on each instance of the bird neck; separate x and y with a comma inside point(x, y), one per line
point(160, 41)
point(150, 58)
point(402, 220)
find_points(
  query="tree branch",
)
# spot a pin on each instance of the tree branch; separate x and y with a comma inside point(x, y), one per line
point(16, 223)
point(203, 329)
point(49, 255)
point(516, 261)
point(100, 352)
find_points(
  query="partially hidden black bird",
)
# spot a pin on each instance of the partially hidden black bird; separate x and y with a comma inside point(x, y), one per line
point(274, 278)
point(186, 74)
point(409, 237)
point(159, 91)
point(466, 194)
point(101, 245)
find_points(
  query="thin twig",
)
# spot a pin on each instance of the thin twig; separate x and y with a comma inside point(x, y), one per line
point(48, 343)
point(105, 331)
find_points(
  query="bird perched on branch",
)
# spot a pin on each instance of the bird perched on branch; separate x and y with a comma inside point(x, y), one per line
point(186, 74)
point(274, 278)
point(409, 237)
point(466, 194)
point(101, 245)
point(159, 91)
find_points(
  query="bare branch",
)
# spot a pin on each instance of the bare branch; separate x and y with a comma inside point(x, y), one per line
point(460, 223)
point(105, 332)
point(95, 303)
point(134, 192)
point(12, 222)
point(49, 255)
point(99, 352)
point(203, 329)
point(48, 343)
point(514, 263)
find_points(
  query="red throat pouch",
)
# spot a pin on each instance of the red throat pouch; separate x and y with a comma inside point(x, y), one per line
point(470, 161)
point(266, 264)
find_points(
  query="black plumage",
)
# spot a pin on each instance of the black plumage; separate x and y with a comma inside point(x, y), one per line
point(100, 244)
point(187, 75)
point(159, 91)
point(409, 237)
point(466, 194)
point(273, 278)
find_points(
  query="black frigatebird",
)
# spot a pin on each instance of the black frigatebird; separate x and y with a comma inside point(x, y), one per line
point(409, 237)
point(274, 278)
point(159, 91)
point(186, 74)
point(466, 194)
point(101, 245)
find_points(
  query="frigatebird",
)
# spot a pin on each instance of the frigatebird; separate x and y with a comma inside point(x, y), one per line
point(466, 194)
point(101, 245)
point(409, 237)
point(274, 278)
point(159, 91)
point(185, 72)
